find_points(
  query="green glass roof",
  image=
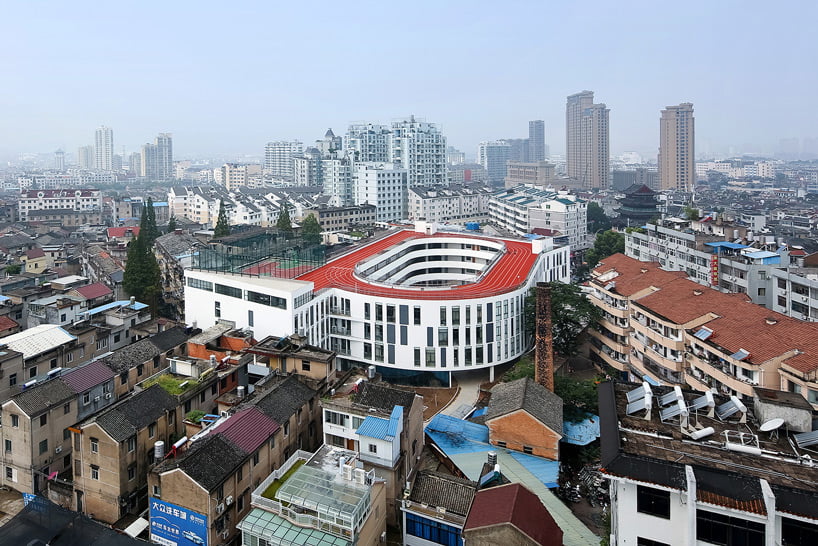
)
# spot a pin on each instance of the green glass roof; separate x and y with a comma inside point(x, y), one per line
point(323, 491)
point(278, 531)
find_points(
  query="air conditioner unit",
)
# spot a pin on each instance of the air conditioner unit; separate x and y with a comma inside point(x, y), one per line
point(96, 399)
point(58, 449)
point(107, 395)
point(229, 500)
point(220, 508)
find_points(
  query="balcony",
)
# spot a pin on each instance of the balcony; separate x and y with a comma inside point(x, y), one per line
point(676, 364)
point(613, 358)
point(656, 336)
point(614, 327)
point(665, 375)
point(339, 311)
point(340, 330)
point(609, 305)
point(721, 375)
point(608, 340)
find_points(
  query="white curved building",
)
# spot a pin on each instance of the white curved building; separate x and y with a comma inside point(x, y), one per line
point(417, 300)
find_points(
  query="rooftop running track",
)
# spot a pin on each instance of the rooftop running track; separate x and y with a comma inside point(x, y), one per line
point(510, 271)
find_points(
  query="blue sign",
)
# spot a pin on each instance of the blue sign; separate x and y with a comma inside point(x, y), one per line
point(173, 525)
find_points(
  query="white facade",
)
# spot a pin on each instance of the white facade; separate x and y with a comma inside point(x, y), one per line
point(278, 157)
point(397, 332)
point(383, 185)
point(104, 149)
point(441, 204)
point(77, 200)
point(336, 177)
point(494, 156)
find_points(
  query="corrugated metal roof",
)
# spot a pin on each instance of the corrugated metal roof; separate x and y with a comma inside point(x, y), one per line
point(374, 427)
point(248, 429)
point(38, 340)
point(83, 378)
point(137, 306)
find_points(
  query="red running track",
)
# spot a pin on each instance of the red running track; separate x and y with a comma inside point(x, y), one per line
point(510, 272)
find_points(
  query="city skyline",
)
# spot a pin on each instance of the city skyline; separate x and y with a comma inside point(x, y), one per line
point(641, 68)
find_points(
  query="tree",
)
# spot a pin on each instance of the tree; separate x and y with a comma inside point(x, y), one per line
point(311, 230)
point(222, 228)
point(606, 244)
point(141, 278)
point(172, 224)
point(571, 313)
point(13, 269)
point(597, 219)
point(284, 223)
point(147, 224)
point(578, 396)
point(692, 213)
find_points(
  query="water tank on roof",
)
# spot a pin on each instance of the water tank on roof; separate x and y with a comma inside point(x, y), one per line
point(473, 226)
point(159, 450)
point(370, 372)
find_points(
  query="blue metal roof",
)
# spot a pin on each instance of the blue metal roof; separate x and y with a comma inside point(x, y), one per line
point(479, 412)
point(374, 427)
point(726, 244)
point(582, 433)
point(761, 254)
point(137, 306)
point(394, 420)
point(545, 470)
point(651, 380)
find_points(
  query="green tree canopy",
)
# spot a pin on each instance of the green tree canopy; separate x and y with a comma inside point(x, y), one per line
point(578, 396)
point(14, 269)
point(147, 225)
point(311, 230)
point(606, 244)
point(692, 213)
point(571, 313)
point(222, 228)
point(597, 219)
point(172, 224)
point(141, 278)
point(284, 223)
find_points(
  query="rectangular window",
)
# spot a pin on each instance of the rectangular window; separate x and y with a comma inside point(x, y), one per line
point(417, 356)
point(250, 321)
point(443, 337)
point(456, 315)
point(528, 449)
point(728, 531)
point(94, 445)
point(417, 316)
point(432, 530)
point(231, 291)
point(501, 444)
point(200, 284)
point(367, 331)
point(131, 472)
point(366, 311)
point(151, 430)
point(15, 421)
point(652, 501)
point(443, 316)
point(430, 357)
point(336, 418)
point(94, 472)
point(379, 352)
point(648, 542)
point(265, 299)
point(798, 532)
point(43, 419)
point(217, 309)
point(373, 448)
point(305, 365)
point(368, 351)
point(390, 313)
point(8, 445)
point(131, 444)
point(379, 312)
point(43, 446)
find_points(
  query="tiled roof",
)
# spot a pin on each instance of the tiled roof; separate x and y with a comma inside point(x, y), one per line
point(93, 291)
point(6, 323)
point(35, 253)
point(38, 340)
point(248, 429)
point(284, 399)
point(683, 300)
point(169, 339)
point(137, 412)
point(384, 397)
point(514, 504)
point(42, 396)
point(526, 394)
point(132, 355)
point(633, 275)
point(123, 231)
point(211, 460)
point(443, 490)
point(83, 378)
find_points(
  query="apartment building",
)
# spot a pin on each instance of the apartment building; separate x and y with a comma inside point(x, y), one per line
point(36, 437)
point(292, 354)
point(523, 208)
point(383, 425)
point(676, 160)
point(327, 498)
point(335, 219)
point(688, 469)
point(384, 185)
point(210, 477)
point(675, 332)
point(51, 201)
point(448, 203)
point(114, 449)
point(587, 141)
point(539, 173)
point(732, 258)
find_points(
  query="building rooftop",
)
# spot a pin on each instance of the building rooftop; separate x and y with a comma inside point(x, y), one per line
point(135, 413)
point(131, 355)
point(508, 273)
point(44, 395)
point(283, 399)
point(630, 276)
point(526, 394)
point(248, 429)
point(208, 461)
point(118, 305)
point(513, 503)
point(443, 490)
point(384, 397)
point(655, 451)
point(93, 291)
point(84, 377)
point(38, 340)
point(267, 524)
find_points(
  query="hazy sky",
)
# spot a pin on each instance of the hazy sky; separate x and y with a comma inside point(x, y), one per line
point(226, 77)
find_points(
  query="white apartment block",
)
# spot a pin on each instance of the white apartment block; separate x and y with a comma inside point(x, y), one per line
point(737, 169)
point(493, 156)
point(278, 157)
point(383, 185)
point(523, 209)
point(233, 175)
point(307, 168)
point(104, 149)
point(336, 175)
point(448, 203)
point(59, 181)
point(80, 200)
point(367, 142)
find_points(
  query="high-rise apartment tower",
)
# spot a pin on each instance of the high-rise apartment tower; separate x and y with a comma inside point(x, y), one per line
point(536, 141)
point(677, 169)
point(587, 141)
point(104, 149)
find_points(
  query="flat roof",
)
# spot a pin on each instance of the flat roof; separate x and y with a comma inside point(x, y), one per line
point(508, 273)
point(37, 340)
point(278, 531)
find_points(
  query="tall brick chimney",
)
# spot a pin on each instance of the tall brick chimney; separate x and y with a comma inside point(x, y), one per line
point(543, 339)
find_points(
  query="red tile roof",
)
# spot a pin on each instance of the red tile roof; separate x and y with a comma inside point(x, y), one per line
point(93, 291)
point(633, 275)
point(7, 324)
point(513, 503)
point(248, 429)
point(126, 231)
point(798, 252)
point(34, 253)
